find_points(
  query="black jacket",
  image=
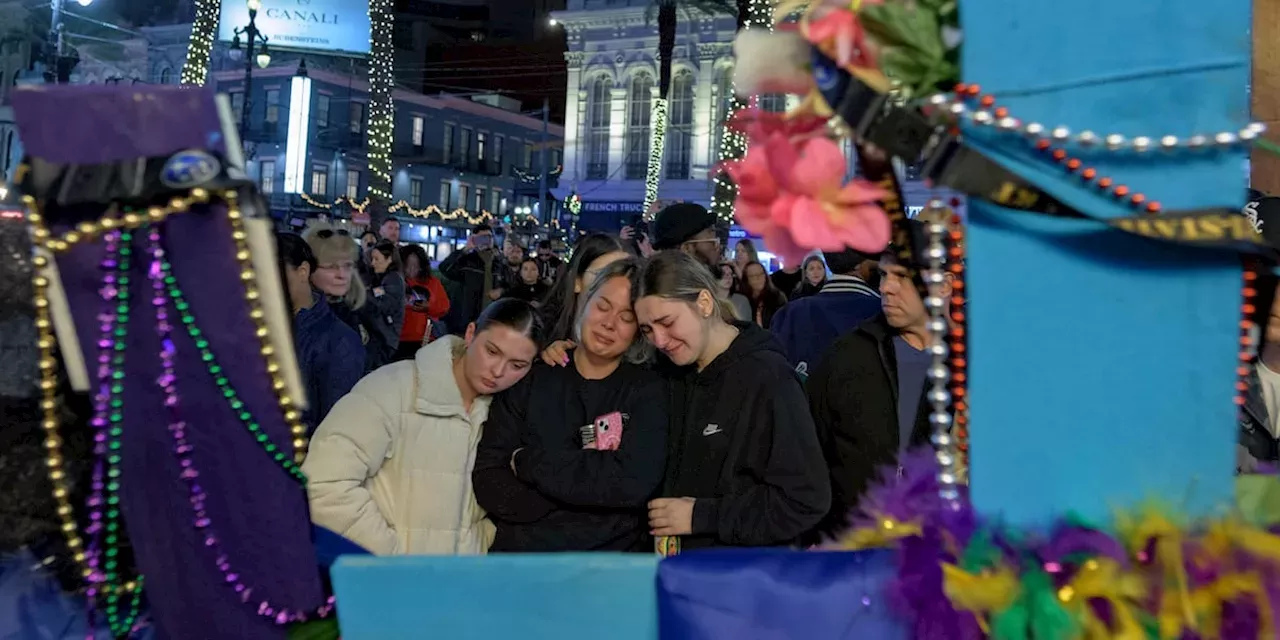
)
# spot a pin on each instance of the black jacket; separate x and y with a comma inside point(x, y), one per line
point(853, 396)
point(467, 269)
point(742, 444)
point(562, 497)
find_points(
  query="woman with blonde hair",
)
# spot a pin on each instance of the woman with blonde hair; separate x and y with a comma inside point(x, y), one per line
point(744, 467)
point(336, 276)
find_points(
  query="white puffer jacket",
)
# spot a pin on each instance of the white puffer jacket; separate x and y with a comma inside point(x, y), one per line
point(390, 466)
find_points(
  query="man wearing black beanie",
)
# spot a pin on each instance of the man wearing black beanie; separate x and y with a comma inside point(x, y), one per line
point(690, 228)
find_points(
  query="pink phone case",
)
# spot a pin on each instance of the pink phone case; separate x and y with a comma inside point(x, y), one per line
point(608, 431)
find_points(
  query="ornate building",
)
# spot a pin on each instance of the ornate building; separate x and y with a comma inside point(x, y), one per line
point(612, 80)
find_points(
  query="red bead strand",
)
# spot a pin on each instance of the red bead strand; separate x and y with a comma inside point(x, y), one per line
point(959, 375)
point(1073, 165)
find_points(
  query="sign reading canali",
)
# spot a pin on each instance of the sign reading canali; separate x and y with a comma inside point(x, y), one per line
point(334, 26)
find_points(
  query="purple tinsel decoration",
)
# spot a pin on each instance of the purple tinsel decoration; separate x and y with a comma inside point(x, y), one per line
point(913, 494)
point(918, 592)
point(1068, 540)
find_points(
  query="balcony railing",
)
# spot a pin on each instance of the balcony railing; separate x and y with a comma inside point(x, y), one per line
point(413, 154)
point(339, 137)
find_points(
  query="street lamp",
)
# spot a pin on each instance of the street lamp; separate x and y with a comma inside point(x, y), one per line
point(56, 45)
point(254, 39)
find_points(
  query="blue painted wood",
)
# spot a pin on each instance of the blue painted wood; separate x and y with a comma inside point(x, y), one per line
point(531, 597)
point(1102, 365)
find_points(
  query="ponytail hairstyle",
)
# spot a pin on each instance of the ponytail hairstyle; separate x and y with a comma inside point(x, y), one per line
point(517, 315)
point(640, 350)
point(676, 275)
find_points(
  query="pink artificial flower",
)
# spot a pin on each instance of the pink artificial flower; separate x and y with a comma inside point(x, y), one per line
point(793, 195)
point(849, 41)
point(758, 124)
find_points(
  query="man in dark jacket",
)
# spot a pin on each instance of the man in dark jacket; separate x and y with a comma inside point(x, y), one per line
point(867, 394)
point(1259, 437)
point(806, 327)
point(477, 269)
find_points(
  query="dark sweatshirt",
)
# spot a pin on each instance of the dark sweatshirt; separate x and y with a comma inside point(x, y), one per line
point(742, 443)
point(562, 497)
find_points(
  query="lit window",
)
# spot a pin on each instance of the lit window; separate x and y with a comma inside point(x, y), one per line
point(679, 143)
point(599, 97)
point(273, 106)
point(418, 127)
point(319, 180)
point(267, 176)
point(639, 111)
point(353, 184)
point(415, 192)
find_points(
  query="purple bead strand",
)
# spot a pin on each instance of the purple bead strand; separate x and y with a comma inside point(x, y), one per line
point(184, 450)
point(106, 327)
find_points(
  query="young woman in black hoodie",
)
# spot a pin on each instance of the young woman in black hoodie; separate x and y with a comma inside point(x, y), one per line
point(744, 466)
point(545, 471)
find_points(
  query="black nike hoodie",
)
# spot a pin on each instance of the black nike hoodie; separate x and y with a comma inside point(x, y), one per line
point(742, 443)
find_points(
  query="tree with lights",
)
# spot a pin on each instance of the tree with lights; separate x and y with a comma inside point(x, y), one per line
point(733, 145)
point(195, 71)
point(381, 108)
point(667, 23)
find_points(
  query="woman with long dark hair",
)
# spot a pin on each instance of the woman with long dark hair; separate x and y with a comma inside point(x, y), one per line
point(764, 298)
point(390, 467)
point(591, 254)
point(385, 310)
point(812, 276)
point(425, 301)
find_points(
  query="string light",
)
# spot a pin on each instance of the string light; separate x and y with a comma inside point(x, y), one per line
point(733, 145)
point(657, 139)
point(195, 71)
point(430, 210)
point(530, 177)
point(381, 106)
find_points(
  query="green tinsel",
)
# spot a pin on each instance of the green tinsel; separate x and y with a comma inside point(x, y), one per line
point(1037, 614)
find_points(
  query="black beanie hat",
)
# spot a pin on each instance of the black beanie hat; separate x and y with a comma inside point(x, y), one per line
point(676, 223)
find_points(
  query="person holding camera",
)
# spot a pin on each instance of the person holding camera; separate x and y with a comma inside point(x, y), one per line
point(477, 270)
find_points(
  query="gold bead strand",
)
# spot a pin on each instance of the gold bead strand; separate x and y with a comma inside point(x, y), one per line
point(292, 416)
point(47, 343)
point(89, 231)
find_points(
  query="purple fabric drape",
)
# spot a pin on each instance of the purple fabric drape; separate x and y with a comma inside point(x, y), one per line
point(258, 511)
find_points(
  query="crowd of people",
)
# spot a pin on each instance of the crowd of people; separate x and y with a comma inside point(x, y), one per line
point(651, 393)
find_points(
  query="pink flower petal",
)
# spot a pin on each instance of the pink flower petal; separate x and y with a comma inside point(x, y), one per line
point(781, 210)
point(809, 223)
point(782, 245)
point(782, 156)
point(859, 191)
point(752, 176)
point(865, 228)
point(819, 169)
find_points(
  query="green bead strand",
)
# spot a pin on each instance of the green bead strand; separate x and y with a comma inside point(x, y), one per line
point(224, 385)
point(120, 625)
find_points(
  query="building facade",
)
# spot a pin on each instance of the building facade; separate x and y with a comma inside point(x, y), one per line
point(456, 161)
point(612, 82)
